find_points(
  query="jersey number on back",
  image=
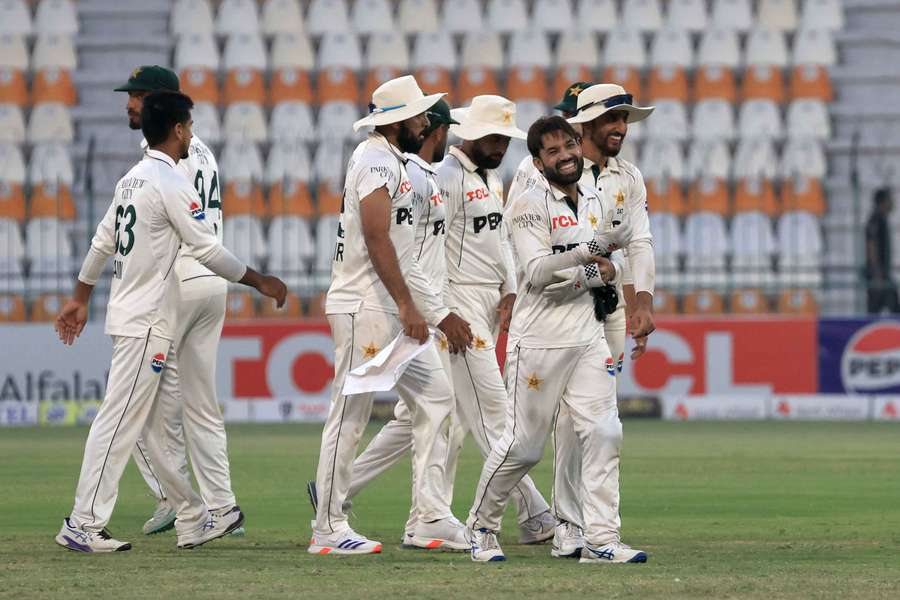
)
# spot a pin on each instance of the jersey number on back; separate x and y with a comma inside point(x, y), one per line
point(213, 196)
point(128, 216)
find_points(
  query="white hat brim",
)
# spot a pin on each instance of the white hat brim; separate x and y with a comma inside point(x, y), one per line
point(635, 113)
point(412, 109)
point(476, 131)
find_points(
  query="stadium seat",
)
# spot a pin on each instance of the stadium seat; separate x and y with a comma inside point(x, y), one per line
point(814, 47)
point(57, 17)
point(328, 161)
point(709, 194)
point(434, 49)
point(709, 158)
point(245, 121)
point(291, 197)
point(12, 252)
point(200, 84)
point(335, 121)
point(662, 159)
point(51, 199)
point(811, 81)
point(49, 252)
point(13, 52)
point(755, 158)
point(462, 16)
point(50, 122)
point(664, 302)
point(780, 15)
point(668, 247)
point(243, 235)
point(804, 194)
point(387, 49)
point(672, 47)
point(665, 195)
point(416, 16)
point(292, 122)
point(752, 246)
point(15, 19)
point(371, 16)
point(755, 194)
point(642, 15)
point(799, 239)
point(704, 302)
point(625, 47)
point(197, 50)
point(291, 248)
point(713, 119)
point(12, 124)
point(529, 48)
point(760, 118)
point(375, 77)
point(797, 302)
point(577, 48)
point(54, 51)
point(290, 85)
point(822, 14)
point(507, 16)
point(766, 47)
point(237, 17)
point(597, 15)
point(327, 16)
point(670, 121)
point(46, 306)
point(763, 82)
point(565, 76)
point(667, 82)
point(191, 17)
point(732, 14)
point(293, 51)
point(326, 237)
point(245, 51)
point(482, 49)
point(808, 118)
point(206, 122)
point(292, 309)
point(13, 89)
point(241, 161)
point(804, 157)
point(552, 16)
point(706, 245)
point(687, 15)
point(288, 161)
point(316, 306)
point(715, 82)
point(12, 307)
point(329, 197)
point(527, 84)
point(53, 85)
point(627, 77)
point(239, 306)
point(720, 47)
point(748, 301)
point(12, 183)
point(281, 16)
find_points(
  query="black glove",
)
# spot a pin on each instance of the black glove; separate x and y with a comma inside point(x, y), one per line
point(606, 299)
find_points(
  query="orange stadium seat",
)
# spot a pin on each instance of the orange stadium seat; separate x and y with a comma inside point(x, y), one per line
point(46, 306)
point(53, 85)
point(666, 196)
point(763, 81)
point(244, 84)
point(668, 82)
point(527, 83)
point(803, 193)
point(664, 302)
point(316, 308)
point(749, 301)
point(240, 305)
point(337, 84)
point(12, 201)
point(290, 197)
point(290, 85)
point(475, 81)
point(711, 195)
point(244, 198)
point(755, 194)
point(434, 79)
point(329, 198)
point(52, 200)
point(13, 89)
point(377, 76)
point(12, 308)
point(200, 84)
point(715, 81)
point(292, 309)
point(566, 76)
point(811, 81)
point(628, 77)
point(704, 302)
point(797, 302)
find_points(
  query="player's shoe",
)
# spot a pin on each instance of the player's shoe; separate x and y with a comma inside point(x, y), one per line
point(163, 519)
point(80, 540)
point(537, 530)
point(568, 539)
point(485, 547)
point(239, 532)
point(617, 552)
point(406, 542)
point(345, 542)
point(220, 523)
point(444, 534)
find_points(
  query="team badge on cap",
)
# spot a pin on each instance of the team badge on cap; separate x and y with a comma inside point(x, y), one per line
point(197, 211)
point(158, 362)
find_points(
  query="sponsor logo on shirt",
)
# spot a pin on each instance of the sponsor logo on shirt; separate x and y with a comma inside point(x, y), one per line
point(405, 186)
point(526, 220)
point(197, 211)
point(158, 362)
point(490, 220)
point(563, 221)
point(479, 194)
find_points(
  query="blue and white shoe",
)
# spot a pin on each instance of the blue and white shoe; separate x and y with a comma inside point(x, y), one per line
point(220, 523)
point(485, 547)
point(617, 552)
point(163, 519)
point(345, 542)
point(80, 540)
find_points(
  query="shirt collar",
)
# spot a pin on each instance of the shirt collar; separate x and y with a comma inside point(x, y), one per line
point(156, 154)
point(463, 158)
point(380, 139)
point(420, 161)
point(558, 194)
point(612, 165)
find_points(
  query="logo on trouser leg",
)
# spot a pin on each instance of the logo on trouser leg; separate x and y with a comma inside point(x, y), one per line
point(610, 366)
point(621, 362)
point(158, 362)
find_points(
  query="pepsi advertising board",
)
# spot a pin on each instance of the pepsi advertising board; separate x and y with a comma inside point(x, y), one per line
point(859, 356)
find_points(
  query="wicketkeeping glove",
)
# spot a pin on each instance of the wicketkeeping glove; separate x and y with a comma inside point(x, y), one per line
point(606, 242)
point(573, 282)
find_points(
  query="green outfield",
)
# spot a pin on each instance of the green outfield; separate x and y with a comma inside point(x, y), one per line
point(725, 510)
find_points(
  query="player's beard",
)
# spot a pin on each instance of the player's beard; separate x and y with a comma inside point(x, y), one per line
point(606, 148)
point(552, 174)
point(486, 161)
point(134, 121)
point(408, 140)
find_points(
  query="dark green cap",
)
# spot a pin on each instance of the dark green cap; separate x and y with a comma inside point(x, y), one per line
point(440, 113)
point(151, 78)
point(569, 102)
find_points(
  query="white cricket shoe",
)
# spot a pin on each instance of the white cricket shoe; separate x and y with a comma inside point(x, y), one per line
point(80, 540)
point(485, 547)
point(568, 540)
point(537, 530)
point(444, 534)
point(163, 519)
point(220, 523)
point(617, 552)
point(406, 542)
point(344, 542)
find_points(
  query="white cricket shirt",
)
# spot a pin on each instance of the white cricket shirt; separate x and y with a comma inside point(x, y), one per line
point(430, 222)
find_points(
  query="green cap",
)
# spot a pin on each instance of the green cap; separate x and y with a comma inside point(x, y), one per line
point(151, 78)
point(569, 102)
point(440, 113)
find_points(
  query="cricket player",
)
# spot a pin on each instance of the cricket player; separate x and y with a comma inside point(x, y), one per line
point(154, 212)
point(482, 283)
point(560, 356)
point(199, 327)
point(377, 291)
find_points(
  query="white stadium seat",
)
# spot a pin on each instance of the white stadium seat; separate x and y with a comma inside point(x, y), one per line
point(434, 49)
point(237, 16)
point(245, 121)
point(713, 119)
point(387, 49)
point(51, 163)
point(597, 15)
point(578, 47)
point(766, 47)
point(529, 111)
point(328, 162)
point(206, 122)
point(340, 50)
point(507, 16)
point(625, 47)
point(662, 159)
point(56, 16)
point(12, 164)
point(687, 15)
point(732, 14)
point(245, 51)
point(288, 161)
point(418, 16)
point(48, 247)
point(553, 16)
point(669, 122)
point(803, 157)
point(326, 237)
point(462, 16)
point(780, 15)
point(281, 16)
point(12, 251)
point(752, 245)
point(822, 14)
point(814, 47)
point(292, 122)
point(293, 51)
point(196, 50)
point(13, 52)
point(291, 247)
point(370, 16)
point(799, 238)
point(719, 46)
point(12, 124)
point(336, 120)
point(672, 47)
point(668, 246)
point(327, 16)
point(808, 118)
point(529, 48)
point(706, 245)
point(760, 118)
point(642, 15)
point(50, 122)
point(243, 235)
point(482, 49)
point(191, 16)
point(241, 161)
point(755, 158)
point(710, 159)
point(54, 51)
point(15, 19)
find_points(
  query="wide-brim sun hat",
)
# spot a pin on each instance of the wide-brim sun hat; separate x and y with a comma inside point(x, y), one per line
point(487, 115)
point(397, 100)
point(458, 115)
point(604, 97)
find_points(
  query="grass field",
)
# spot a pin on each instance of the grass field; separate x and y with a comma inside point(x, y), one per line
point(726, 510)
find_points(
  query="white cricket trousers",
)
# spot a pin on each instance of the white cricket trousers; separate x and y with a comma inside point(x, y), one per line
point(130, 410)
point(396, 438)
point(540, 380)
point(426, 392)
point(481, 398)
point(188, 398)
point(567, 488)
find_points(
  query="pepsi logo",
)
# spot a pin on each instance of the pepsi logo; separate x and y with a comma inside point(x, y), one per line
point(610, 366)
point(197, 211)
point(871, 360)
point(158, 362)
point(620, 362)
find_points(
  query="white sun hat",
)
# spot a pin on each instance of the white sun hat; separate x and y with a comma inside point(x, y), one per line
point(604, 97)
point(397, 100)
point(488, 115)
point(458, 115)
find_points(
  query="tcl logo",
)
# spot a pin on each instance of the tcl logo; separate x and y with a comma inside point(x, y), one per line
point(436, 200)
point(479, 194)
point(563, 221)
point(405, 186)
